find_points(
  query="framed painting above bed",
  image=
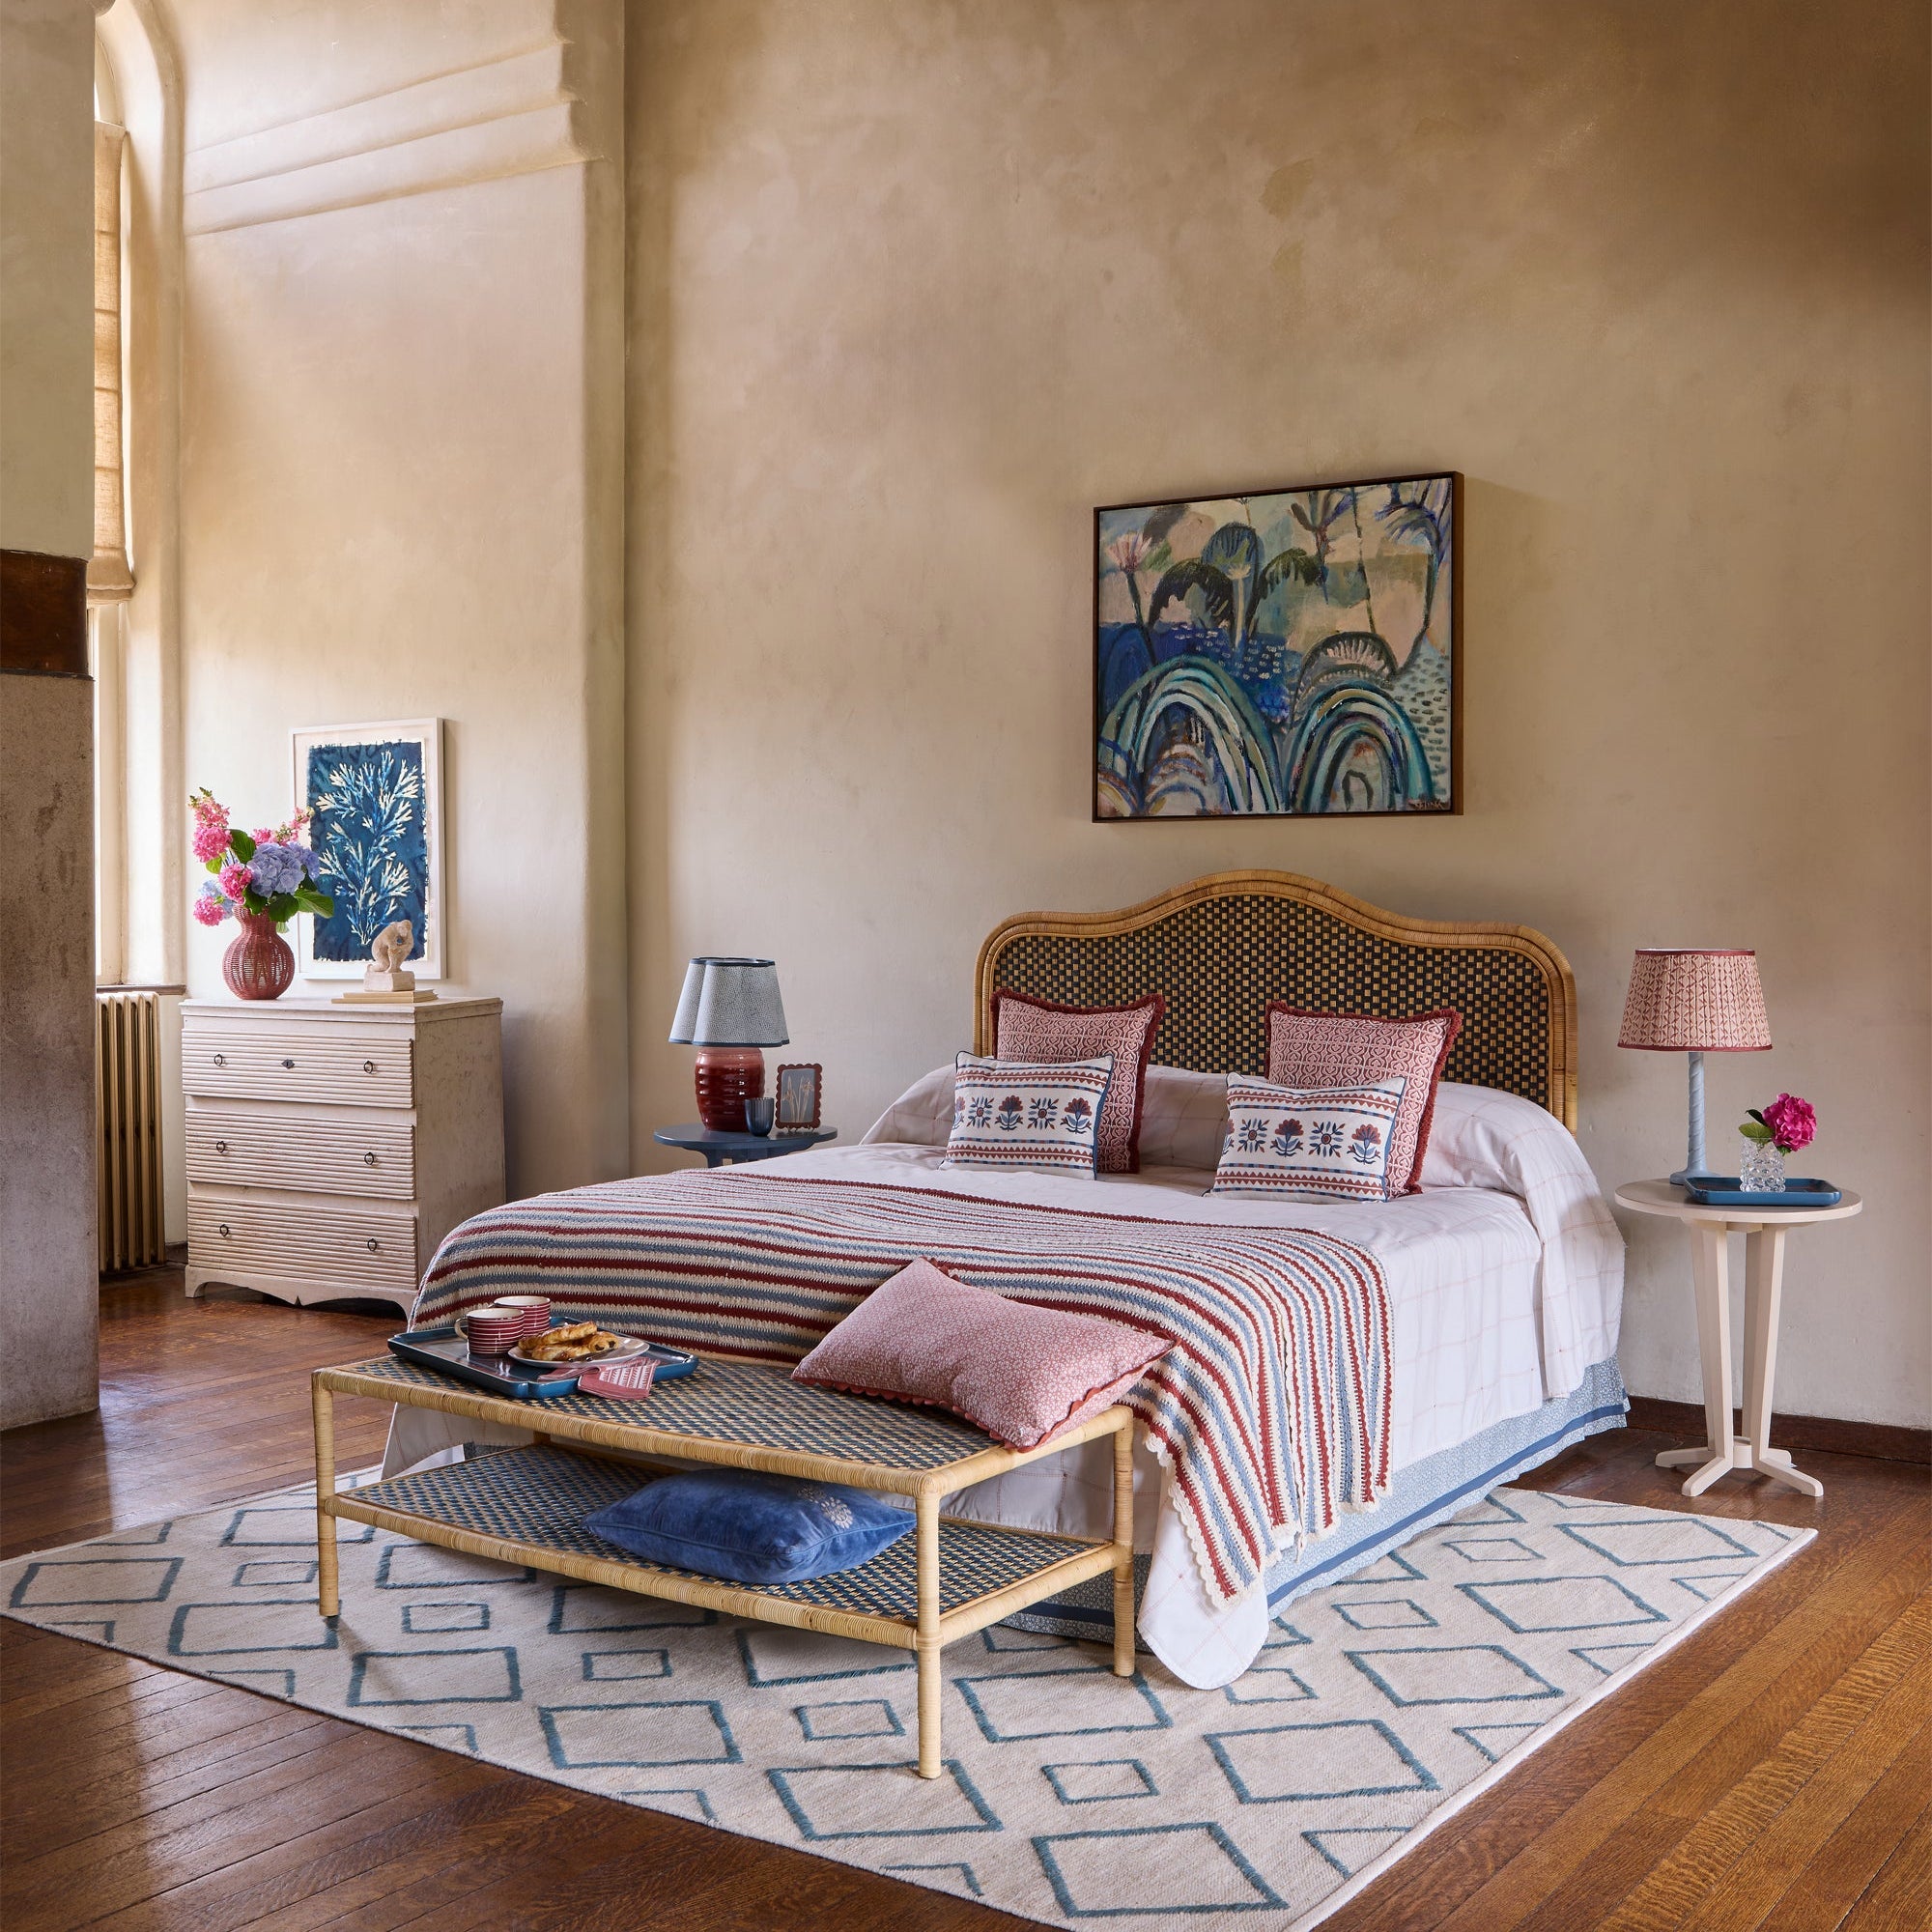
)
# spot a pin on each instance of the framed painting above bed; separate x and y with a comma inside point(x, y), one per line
point(1289, 653)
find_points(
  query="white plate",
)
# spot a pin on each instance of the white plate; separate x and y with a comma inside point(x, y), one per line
point(627, 1346)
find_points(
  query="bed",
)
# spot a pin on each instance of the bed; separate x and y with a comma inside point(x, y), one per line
point(1502, 1277)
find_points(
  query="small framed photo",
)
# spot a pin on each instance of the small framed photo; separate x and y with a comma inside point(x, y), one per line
point(798, 1098)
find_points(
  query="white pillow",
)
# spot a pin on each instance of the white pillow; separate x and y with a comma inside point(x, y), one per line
point(920, 1117)
point(1183, 1119)
point(1480, 1135)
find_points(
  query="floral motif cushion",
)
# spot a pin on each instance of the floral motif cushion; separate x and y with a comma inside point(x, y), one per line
point(1018, 1372)
point(1308, 1049)
point(1309, 1143)
point(1040, 1031)
point(1016, 1114)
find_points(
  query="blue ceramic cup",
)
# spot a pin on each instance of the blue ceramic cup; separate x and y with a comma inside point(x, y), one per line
point(759, 1114)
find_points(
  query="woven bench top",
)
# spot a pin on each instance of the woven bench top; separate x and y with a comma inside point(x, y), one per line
point(725, 1402)
point(539, 1497)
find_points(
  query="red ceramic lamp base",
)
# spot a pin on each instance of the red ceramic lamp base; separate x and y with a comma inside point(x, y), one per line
point(727, 1076)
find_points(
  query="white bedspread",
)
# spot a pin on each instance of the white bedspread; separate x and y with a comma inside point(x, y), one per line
point(1505, 1280)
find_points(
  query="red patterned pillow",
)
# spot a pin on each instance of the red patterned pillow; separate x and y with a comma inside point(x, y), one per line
point(1307, 1049)
point(1018, 1372)
point(1025, 1028)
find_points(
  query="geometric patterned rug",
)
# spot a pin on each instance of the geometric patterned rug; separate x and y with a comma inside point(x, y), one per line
point(1380, 1706)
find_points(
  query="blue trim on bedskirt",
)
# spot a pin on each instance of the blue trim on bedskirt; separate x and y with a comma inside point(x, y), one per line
point(1424, 1493)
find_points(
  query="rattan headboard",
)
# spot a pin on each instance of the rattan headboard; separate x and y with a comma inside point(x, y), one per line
point(1222, 947)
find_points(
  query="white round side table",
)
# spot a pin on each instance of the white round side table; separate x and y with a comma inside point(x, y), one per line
point(1764, 1230)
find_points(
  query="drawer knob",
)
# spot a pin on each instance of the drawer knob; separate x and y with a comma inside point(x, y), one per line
point(288, 1062)
point(374, 1244)
point(221, 1146)
point(368, 1066)
point(223, 1231)
point(368, 1160)
point(221, 1059)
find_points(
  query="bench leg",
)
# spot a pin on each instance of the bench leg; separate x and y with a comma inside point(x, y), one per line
point(1123, 1552)
point(329, 1599)
point(927, 1650)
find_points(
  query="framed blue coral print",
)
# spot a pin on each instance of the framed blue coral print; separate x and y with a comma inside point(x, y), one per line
point(1289, 653)
point(375, 795)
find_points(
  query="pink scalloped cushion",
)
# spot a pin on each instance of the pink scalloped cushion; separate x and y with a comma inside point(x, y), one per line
point(1019, 1372)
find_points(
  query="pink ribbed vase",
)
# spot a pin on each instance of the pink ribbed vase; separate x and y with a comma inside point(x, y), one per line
point(259, 964)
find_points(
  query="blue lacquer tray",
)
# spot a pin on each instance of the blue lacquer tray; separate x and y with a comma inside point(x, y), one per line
point(448, 1353)
point(1722, 1191)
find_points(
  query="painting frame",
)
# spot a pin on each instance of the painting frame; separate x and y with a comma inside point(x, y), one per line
point(789, 1114)
point(429, 961)
point(1115, 775)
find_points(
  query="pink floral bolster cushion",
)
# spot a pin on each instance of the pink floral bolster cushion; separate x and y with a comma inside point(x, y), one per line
point(1018, 1372)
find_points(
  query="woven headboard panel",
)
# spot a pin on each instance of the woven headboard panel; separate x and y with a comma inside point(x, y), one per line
point(1222, 947)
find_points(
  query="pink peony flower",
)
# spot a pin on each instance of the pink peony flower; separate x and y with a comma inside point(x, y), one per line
point(235, 880)
point(211, 839)
point(210, 910)
point(1792, 1123)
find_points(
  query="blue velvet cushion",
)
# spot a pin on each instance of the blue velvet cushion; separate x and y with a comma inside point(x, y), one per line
point(750, 1528)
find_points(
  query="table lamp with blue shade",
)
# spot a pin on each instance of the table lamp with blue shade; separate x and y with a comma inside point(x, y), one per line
point(1695, 1001)
point(730, 1010)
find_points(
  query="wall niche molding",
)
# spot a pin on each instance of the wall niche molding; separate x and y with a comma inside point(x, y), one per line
point(513, 116)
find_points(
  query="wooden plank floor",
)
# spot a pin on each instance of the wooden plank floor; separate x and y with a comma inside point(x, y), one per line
point(1774, 1772)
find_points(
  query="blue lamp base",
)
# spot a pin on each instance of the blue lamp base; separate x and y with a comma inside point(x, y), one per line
point(1693, 1163)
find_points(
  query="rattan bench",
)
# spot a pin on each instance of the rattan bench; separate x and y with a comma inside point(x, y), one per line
point(527, 1506)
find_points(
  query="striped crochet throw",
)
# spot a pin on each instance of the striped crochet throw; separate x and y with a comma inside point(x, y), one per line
point(1271, 1409)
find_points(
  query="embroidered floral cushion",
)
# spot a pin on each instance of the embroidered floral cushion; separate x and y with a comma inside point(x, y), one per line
point(751, 1528)
point(1308, 1049)
point(1018, 1372)
point(1028, 1029)
point(1309, 1143)
point(1016, 1114)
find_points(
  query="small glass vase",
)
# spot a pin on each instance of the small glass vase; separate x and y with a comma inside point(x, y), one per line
point(1760, 1168)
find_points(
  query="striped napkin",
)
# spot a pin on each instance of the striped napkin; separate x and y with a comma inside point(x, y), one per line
point(621, 1381)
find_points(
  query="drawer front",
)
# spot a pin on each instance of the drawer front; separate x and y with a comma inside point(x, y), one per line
point(353, 1247)
point(368, 1067)
point(313, 1153)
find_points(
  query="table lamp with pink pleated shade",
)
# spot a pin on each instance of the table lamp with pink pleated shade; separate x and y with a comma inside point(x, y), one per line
point(1695, 1001)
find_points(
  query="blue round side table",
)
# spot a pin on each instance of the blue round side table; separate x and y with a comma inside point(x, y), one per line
point(719, 1147)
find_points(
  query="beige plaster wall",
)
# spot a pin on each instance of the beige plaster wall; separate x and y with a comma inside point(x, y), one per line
point(915, 287)
point(49, 1307)
point(400, 498)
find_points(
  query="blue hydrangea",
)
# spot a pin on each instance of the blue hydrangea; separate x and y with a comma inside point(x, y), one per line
point(280, 868)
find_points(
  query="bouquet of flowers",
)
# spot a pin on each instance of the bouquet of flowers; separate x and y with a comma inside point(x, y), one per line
point(1788, 1124)
point(269, 870)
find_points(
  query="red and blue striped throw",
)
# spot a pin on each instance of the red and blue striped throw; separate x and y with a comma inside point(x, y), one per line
point(1271, 1409)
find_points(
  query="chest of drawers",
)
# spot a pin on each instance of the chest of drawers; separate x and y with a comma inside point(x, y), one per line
point(330, 1149)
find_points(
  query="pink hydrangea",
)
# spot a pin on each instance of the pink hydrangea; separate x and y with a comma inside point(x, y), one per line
point(264, 835)
point(211, 839)
point(210, 909)
point(235, 880)
point(1792, 1123)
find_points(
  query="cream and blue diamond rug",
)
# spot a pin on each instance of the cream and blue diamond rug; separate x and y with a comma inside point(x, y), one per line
point(1070, 1797)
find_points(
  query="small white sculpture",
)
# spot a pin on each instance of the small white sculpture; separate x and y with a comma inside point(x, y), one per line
point(390, 947)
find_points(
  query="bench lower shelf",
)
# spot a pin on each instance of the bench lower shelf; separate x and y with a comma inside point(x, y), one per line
point(527, 1506)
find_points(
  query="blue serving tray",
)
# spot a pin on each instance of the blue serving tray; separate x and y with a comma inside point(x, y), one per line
point(1722, 1191)
point(444, 1351)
